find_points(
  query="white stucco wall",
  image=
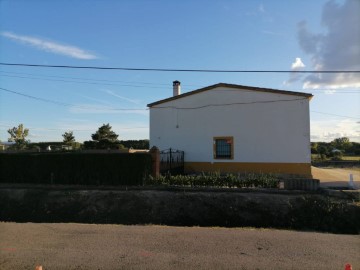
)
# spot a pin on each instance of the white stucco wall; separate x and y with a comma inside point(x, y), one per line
point(273, 128)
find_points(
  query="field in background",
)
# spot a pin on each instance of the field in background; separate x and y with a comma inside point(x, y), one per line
point(351, 158)
point(347, 158)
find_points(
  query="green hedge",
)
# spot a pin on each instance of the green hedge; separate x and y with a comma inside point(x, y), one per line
point(75, 168)
point(215, 179)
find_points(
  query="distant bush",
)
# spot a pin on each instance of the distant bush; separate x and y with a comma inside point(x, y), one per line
point(136, 144)
point(215, 179)
point(336, 156)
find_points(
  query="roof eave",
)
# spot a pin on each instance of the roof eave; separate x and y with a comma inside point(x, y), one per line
point(258, 89)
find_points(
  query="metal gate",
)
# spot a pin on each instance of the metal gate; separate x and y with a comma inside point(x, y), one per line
point(172, 161)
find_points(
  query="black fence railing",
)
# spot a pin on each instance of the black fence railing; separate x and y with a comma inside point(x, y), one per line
point(172, 161)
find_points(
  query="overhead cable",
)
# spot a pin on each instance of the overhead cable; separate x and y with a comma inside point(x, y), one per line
point(164, 107)
point(180, 70)
point(71, 105)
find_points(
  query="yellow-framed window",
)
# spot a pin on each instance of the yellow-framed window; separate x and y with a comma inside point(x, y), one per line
point(223, 147)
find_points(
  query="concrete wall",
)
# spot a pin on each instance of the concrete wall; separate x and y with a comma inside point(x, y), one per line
point(266, 127)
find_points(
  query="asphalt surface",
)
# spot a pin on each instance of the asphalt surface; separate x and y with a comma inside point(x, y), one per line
point(84, 246)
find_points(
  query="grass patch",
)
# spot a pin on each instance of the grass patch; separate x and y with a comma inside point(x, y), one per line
point(351, 158)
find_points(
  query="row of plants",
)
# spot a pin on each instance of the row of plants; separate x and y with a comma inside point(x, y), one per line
point(216, 179)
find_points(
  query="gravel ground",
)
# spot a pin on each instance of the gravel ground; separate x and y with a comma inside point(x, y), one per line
point(336, 177)
point(84, 246)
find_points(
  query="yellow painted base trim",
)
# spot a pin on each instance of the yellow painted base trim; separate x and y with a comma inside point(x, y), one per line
point(301, 169)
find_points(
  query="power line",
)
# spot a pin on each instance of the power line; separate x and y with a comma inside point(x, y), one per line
point(180, 70)
point(36, 98)
point(94, 83)
point(115, 82)
point(352, 91)
point(165, 107)
point(98, 80)
point(79, 130)
point(336, 115)
point(70, 105)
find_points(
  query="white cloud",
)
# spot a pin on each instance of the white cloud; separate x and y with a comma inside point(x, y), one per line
point(99, 109)
point(331, 129)
point(338, 48)
point(51, 46)
point(329, 92)
point(298, 64)
point(121, 97)
point(96, 100)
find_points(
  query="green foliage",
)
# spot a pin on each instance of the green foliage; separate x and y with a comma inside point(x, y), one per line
point(136, 144)
point(336, 156)
point(324, 214)
point(103, 138)
point(314, 148)
point(341, 143)
point(104, 133)
point(215, 179)
point(75, 168)
point(18, 135)
point(69, 138)
point(323, 149)
point(55, 146)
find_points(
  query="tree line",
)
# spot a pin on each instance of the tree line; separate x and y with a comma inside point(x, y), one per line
point(106, 138)
point(335, 149)
point(103, 138)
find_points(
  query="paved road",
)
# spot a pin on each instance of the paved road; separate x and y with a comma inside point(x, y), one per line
point(82, 246)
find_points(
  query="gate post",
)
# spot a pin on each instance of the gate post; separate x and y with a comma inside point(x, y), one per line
point(155, 161)
point(170, 159)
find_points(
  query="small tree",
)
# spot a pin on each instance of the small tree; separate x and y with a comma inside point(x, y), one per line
point(18, 135)
point(104, 138)
point(323, 151)
point(69, 138)
point(314, 148)
point(342, 143)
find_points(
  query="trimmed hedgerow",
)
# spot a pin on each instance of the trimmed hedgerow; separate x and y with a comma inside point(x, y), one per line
point(75, 168)
point(215, 179)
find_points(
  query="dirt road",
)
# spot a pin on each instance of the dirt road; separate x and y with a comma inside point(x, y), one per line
point(81, 246)
point(336, 176)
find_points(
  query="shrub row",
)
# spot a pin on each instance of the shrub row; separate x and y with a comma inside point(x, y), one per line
point(215, 179)
point(324, 214)
point(75, 168)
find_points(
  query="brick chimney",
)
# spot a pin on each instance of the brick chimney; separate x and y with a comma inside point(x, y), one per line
point(176, 88)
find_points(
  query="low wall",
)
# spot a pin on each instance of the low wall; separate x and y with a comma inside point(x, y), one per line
point(180, 207)
point(299, 184)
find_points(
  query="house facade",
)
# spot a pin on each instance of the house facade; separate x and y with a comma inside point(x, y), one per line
point(235, 128)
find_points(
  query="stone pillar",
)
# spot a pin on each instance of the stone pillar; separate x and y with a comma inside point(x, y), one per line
point(155, 160)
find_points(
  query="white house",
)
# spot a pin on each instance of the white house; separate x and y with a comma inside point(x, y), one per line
point(235, 128)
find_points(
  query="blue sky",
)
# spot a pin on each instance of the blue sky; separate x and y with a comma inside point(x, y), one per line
point(240, 35)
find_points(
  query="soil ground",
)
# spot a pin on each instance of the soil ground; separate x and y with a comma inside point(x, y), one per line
point(336, 177)
point(84, 246)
